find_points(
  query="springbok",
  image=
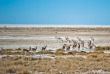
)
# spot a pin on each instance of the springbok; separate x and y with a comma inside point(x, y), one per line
point(34, 49)
point(64, 47)
point(30, 48)
point(89, 43)
point(67, 39)
point(74, 44)
point(68, 47)
point(18, 49)
point(78, 39)
point(82, 44)
point(25, 50)
point(92, 39)
point(78, 46)
point(44, 48)
point(92, 46)
point(58, 38)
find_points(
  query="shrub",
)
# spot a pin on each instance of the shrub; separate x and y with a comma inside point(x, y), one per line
point(102, 48)
point(59, 50)
point(81, 53)
point(25, 72)
point(93, 55)
point(11, 70)
point(45, 52)
point(60, 53)
point(19, 62)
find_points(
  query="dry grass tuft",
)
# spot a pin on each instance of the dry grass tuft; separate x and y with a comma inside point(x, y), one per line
point(59, 50)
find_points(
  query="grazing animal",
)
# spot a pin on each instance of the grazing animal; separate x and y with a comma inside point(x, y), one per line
point(34, 49)
point(64, 47)
point(58, 38)
point(82, 44)
point(44, 48)
point(78, 38)
point(74, 44)
point(92, 46)
point(78, 46)
point(61, 39)
point(92, 39)
point(67, 39)
point(89, 43)
point(19, 49)
point(68, 47)
point(30, 48)
point(25, 50)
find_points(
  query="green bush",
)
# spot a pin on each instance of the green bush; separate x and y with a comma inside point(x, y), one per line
point(102, 48)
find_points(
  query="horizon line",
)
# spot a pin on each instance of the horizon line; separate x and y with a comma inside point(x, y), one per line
point(50, 25)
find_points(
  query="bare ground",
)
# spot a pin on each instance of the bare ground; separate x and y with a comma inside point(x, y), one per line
point(26, 37)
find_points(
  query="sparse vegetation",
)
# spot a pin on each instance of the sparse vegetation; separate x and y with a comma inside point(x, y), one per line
point(102, 48)
point(59, 50)
point(58, 65)
point(28, 65)
point(45, 52)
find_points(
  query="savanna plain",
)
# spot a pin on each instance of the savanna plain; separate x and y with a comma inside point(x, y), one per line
point(54, 50)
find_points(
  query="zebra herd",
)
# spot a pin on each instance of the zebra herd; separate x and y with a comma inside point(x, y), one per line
point(77, 44)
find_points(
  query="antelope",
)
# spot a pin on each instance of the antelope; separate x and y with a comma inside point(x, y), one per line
point(30, 48)
point(92, 39)
point(64, 46)
point(68, 47)
point(78, 46)
point(19, 49)
point(74, 44)
point(78, 38)
point(58, 38)
point(67, 39)
point(25, 50)
point(82, 44)
point(89, 43)
point(34, 49)
point(44, 48)
point(91, 46)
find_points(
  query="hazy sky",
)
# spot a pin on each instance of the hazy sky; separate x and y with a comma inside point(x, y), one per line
point(55, 12)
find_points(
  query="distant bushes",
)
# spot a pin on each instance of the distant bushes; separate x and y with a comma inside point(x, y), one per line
point(45, 52)
point(93, 55)
point(59, 50)
point(102, 48)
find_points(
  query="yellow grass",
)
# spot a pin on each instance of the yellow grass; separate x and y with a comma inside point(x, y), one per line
point(57, 65)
